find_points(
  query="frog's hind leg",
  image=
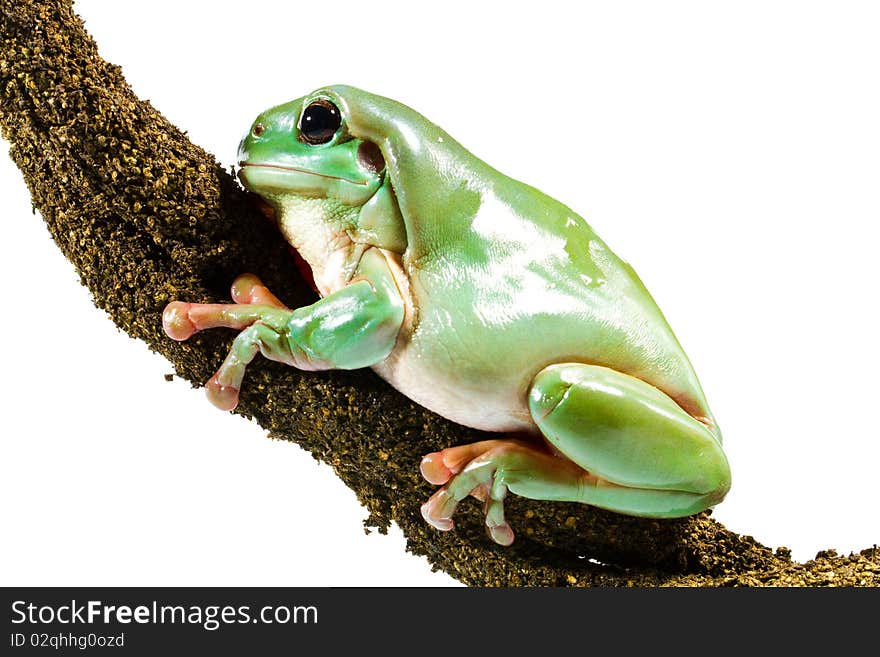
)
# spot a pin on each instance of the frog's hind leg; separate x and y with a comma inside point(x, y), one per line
point(623, 445)
point(645, 454)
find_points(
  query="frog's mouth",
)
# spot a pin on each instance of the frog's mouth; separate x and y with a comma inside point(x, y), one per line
point(281, 167)
point(270, 178)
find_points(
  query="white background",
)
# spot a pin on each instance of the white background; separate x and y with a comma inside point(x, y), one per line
point(729, 151)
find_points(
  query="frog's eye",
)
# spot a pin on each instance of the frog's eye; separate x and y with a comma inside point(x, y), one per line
point(319, 122)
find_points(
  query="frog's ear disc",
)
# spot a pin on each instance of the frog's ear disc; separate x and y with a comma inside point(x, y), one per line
point(424, 163)
point(370, 157)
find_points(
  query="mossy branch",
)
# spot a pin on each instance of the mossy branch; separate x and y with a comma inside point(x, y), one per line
point(147, 217)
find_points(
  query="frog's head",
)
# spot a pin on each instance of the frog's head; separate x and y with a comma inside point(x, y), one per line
point(305, 153)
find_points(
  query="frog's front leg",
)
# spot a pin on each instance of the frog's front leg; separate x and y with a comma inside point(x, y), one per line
point(354, 327)
point(623, 445)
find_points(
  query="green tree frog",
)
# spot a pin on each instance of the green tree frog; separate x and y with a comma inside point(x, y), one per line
point(480, 298)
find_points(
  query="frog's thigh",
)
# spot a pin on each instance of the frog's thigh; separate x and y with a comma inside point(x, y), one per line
point(645, 455)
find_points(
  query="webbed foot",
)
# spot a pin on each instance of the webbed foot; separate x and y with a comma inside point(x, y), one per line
point(487, 470)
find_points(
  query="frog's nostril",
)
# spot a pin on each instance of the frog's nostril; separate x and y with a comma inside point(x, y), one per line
point(258, 129)
point(370, 157)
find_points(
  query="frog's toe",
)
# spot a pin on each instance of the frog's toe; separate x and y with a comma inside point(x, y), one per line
point(496, 525)
point(224, 397)
point(434, 470)
point(248, 289)
point(176, 321)
point(438, 510)
point(501, 534)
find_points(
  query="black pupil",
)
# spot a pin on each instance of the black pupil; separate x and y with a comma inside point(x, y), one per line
point(320, 121)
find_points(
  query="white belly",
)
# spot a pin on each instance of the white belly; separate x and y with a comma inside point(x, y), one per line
point(488, 405)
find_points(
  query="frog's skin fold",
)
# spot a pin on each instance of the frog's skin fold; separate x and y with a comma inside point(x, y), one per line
point(477, 296)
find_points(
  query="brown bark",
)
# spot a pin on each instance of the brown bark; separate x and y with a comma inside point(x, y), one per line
point(147, 217)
